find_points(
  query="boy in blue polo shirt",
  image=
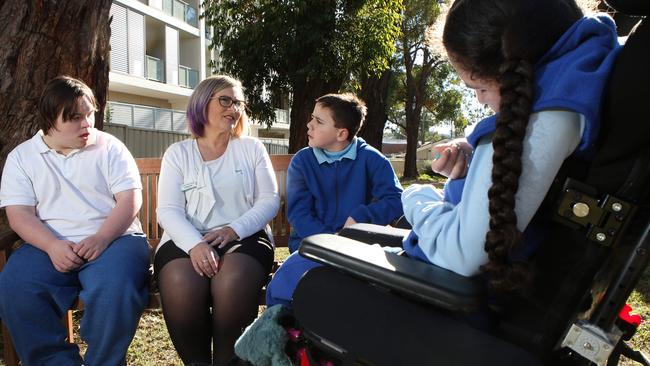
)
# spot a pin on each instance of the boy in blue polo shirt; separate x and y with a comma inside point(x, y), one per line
point(337, 181)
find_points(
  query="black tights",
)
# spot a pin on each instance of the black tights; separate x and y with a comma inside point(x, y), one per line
point(187, 298)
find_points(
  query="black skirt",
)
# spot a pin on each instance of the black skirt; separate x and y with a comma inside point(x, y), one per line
point(257, 246)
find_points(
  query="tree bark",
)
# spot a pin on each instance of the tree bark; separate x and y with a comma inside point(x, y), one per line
point(305, 93)
point(415, 95)
point(413, 112)
point(374, 91)
point(40, 40)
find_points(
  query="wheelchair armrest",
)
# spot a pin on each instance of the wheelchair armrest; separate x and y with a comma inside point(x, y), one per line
point(424, 282)
point(375, 234)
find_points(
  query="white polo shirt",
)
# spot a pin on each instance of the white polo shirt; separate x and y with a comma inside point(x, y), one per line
point(73, 194)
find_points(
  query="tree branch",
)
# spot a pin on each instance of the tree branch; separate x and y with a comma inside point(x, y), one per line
point(398, 124)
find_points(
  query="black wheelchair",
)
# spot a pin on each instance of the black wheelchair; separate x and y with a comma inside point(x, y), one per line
point(370, 307)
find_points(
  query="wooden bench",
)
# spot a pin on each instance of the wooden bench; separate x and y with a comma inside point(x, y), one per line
point(149, 172)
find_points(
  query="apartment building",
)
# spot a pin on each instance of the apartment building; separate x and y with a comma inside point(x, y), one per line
point(159, 53)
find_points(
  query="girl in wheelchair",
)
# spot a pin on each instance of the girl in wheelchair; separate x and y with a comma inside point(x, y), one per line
point(542, 67)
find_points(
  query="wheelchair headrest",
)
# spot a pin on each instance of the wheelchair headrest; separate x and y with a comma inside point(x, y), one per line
point(631, 7)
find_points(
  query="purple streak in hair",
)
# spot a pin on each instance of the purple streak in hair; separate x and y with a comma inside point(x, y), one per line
point(197, 106)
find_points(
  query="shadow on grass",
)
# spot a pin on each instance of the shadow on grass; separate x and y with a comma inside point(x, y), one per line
point(152, 346)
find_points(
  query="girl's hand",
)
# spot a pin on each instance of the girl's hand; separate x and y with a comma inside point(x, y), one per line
point(451, 159)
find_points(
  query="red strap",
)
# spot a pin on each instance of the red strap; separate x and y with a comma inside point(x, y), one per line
point(303, 360)
point(626, 316)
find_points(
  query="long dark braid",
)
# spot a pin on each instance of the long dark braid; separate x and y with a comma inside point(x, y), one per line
point(502, 40)
point(516, 87)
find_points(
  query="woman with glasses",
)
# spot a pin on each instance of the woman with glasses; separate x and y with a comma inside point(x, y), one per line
point(217, 192)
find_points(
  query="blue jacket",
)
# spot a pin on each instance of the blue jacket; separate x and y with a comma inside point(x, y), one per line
point(320, 197)
point(572, 75)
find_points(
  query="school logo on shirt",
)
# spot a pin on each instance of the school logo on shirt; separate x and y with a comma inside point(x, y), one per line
point(187, 186)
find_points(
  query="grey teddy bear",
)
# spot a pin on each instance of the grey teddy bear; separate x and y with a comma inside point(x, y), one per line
point(263, 342)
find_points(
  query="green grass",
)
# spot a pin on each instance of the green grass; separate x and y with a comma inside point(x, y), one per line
point(424, 179)
point(639, 300)
point(151, 345)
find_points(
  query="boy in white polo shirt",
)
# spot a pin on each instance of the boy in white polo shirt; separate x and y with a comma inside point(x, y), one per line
point(72, 193)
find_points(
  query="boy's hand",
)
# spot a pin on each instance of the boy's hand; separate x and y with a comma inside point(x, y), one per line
point(63, 257)
point(349, 221)
point(220, 237)
point(91, 247)
point(205, 259)
point(452, 159)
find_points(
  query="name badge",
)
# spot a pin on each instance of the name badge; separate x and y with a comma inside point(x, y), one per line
point(187, 186)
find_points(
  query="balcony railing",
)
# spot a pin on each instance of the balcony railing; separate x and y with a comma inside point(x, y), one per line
point(181, 11)
point(155, 69)
point(282, 116)
point(145, 117)
point(275, 146)
point(187, 77)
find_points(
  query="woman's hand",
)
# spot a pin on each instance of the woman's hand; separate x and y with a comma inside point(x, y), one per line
point(220, 237)
point(451, 159)
point(205, 259)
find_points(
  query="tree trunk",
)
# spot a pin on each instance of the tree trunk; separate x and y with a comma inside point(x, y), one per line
point(412, 119)
point(43, 39)
point(412, 128)
point(415, 96)
point(305, 93)
point(374, 91)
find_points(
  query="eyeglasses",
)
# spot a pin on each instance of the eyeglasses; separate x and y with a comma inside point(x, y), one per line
point(226, 102)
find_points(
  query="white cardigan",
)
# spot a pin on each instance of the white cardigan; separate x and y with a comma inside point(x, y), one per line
point(182, 172)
